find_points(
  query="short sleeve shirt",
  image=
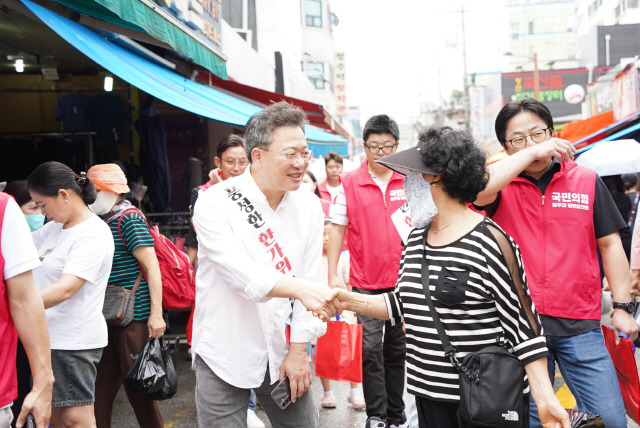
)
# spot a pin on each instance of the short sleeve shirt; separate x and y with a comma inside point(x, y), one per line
point(125, 267)
point(18, 251)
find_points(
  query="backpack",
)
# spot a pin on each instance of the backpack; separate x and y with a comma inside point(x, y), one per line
point(178, 277)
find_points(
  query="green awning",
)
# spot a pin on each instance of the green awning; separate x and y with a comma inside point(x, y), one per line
point(136, 15)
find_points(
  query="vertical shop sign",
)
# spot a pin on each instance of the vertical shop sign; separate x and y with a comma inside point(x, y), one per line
point(625, 93)
point(340, 84)
point(477, 109)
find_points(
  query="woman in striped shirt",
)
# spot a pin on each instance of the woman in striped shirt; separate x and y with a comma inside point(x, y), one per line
point(469, 281)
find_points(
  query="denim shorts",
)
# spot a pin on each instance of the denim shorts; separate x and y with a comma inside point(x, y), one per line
point(75, 376)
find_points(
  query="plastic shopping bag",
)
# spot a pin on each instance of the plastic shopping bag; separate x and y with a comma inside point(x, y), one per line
point(339, 352)
point(170, 382)
point(584, 420)
point(147, 372)
point(624, 361)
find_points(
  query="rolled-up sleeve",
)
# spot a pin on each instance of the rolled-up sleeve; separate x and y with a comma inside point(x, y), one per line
point(221, 254)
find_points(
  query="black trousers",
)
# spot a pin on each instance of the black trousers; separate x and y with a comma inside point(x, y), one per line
point(441, 414)
point(384, 352)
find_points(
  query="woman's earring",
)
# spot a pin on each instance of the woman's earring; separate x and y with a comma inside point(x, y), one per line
point(66, 200)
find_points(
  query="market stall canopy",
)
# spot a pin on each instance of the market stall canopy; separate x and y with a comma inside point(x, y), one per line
point(579, 129)
point(612, 157)
point(610, 132)
point(149, 18)
point(157, 80)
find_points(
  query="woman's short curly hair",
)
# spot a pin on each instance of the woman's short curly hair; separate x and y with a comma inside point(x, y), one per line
point(459, 160)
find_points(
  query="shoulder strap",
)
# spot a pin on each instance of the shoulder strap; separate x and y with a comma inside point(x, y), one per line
point(127, 211)
point(508, 253)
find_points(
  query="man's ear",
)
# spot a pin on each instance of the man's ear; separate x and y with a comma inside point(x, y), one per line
point(256, 156)
point(216, 161)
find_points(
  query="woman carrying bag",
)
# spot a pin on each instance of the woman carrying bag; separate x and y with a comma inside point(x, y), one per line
point(133, 250)
point(454, 262)
point(76, 251)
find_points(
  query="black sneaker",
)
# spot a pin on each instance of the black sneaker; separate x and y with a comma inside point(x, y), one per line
point(375, 422)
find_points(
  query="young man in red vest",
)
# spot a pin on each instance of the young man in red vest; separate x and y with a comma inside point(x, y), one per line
point(333, 167)
point(21, 313)
point(363, 206)
point(559, 214)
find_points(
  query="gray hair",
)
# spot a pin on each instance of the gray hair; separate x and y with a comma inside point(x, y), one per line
point(259, 128)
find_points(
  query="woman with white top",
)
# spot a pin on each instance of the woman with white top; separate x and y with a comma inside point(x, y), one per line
point(76, 250)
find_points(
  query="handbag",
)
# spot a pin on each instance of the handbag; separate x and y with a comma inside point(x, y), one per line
point(339, 352)
point(491, 380)
point(119, 302)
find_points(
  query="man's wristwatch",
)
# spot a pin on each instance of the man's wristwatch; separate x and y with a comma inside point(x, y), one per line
point(627, 306)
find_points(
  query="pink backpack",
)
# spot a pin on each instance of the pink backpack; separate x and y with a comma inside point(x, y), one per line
point(178, 277)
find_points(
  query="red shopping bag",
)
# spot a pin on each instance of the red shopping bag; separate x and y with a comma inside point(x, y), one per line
point(627, 371)
point(339, 352)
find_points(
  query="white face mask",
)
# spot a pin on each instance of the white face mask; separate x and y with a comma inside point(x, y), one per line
point(104, 202)
point(421, 205)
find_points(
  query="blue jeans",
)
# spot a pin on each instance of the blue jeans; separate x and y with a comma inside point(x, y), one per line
point(588, 371)
point(252, 401)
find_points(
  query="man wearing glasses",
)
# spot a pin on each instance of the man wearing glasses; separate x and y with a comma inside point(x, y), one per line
point(260, 263)
point(560, 214)
point(364, 205)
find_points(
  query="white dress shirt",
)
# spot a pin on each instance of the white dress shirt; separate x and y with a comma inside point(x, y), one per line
point(237, 330)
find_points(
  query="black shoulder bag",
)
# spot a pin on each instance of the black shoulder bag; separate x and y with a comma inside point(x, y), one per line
point(492, 379)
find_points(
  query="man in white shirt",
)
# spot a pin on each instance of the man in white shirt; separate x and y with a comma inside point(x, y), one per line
point(259, 246)
point(22, 307)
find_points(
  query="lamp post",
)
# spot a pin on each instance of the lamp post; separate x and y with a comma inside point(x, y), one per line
point(536, 72)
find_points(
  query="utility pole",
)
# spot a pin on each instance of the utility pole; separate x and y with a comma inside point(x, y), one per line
point(467, 104)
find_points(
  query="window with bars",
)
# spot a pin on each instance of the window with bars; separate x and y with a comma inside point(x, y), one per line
point(313, 13)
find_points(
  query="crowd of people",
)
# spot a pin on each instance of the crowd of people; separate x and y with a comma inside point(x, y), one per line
point(278, 254)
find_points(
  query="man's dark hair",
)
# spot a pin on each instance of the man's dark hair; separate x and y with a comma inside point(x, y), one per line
point(259, 128)
point(513, 108)
point(629, 181)
point(332, 156)
point(459, 161)
point(231, 140)
point(380, 124)
point(18, 189)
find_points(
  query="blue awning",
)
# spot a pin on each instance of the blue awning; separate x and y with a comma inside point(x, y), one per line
point(612, 137)
point(156, 80)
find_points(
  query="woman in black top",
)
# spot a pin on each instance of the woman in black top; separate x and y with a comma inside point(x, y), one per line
point(469, 281)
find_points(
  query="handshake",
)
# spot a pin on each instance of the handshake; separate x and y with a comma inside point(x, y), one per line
point(325, 302)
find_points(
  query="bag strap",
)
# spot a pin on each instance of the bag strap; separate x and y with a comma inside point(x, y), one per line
point(509, 254)
point(132, 210)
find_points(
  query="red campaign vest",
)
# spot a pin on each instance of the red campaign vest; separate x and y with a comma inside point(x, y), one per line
point(557, 239)
point(8, 334)
point(205, 186)
point(324, 192)
point(374, 244)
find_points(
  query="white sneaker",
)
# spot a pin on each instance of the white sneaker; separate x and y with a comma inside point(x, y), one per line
point(253, 421)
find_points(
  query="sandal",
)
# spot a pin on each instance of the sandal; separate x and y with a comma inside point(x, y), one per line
point(357, 401)
point(329, 401)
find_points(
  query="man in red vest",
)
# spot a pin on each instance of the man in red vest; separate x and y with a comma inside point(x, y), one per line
point(21, 313)
point(559, 214)
point(363, 206)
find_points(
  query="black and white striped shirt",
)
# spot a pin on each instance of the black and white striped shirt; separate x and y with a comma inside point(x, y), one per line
point(476, 300)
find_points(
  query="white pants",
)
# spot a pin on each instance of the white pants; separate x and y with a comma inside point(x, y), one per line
point(6, 416)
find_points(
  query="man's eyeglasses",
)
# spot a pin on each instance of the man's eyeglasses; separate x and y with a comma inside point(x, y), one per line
point(537, 136)
point(240, 162)
point(293, 156)
point(384, 149)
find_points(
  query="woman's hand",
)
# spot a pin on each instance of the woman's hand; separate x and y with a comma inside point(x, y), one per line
point(553, 415)
point(156, 325)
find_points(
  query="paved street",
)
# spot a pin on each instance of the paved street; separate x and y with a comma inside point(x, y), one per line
point(180, 412)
